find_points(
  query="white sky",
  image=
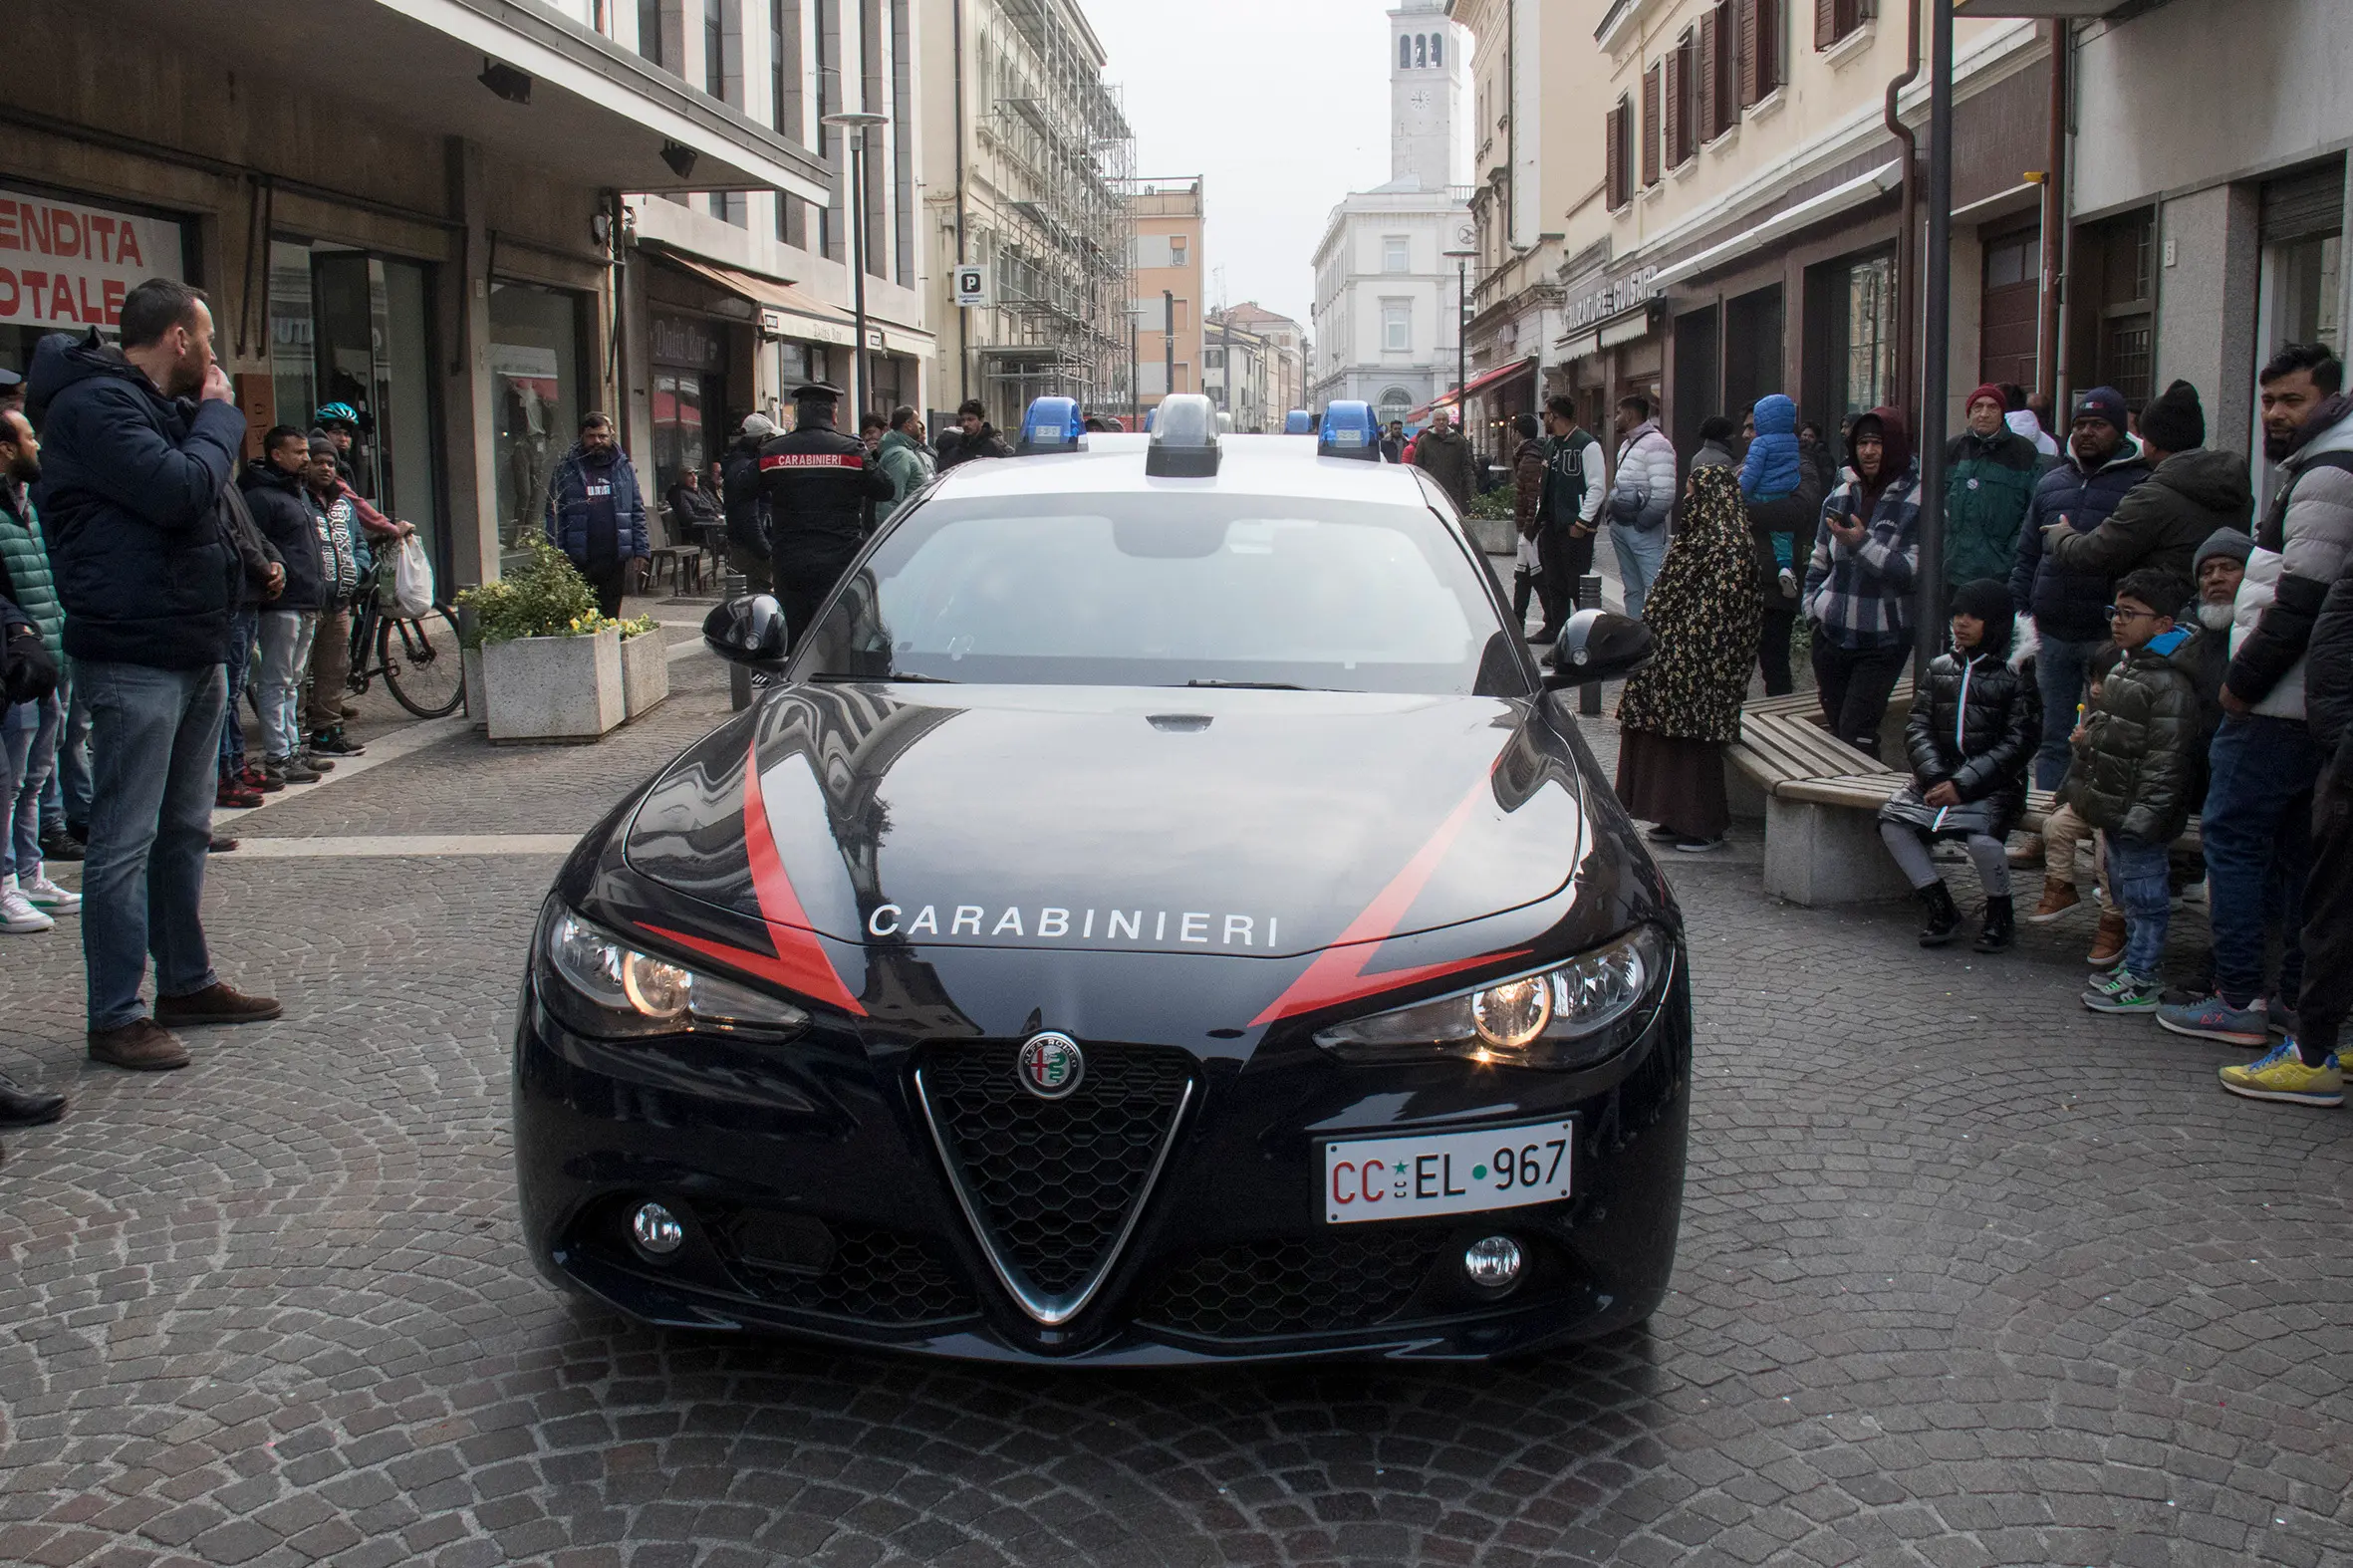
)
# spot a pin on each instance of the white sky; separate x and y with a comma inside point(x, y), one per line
point(1282, 105)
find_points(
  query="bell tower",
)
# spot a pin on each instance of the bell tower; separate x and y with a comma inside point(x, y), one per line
point(1423, 94)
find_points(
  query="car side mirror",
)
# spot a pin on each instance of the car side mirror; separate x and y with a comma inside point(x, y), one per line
point(748, 630)
point(1598, 646)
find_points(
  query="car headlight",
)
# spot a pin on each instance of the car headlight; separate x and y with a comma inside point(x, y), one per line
point(1570, 1015)
point(603, 986)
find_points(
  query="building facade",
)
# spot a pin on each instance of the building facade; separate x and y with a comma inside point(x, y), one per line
point(1166, 276)
point(2202, 236)
point(1745, 240)
point(440, 239)
point(1535, 167)
point(1285, 351)
point(1027, 160)
point(1389, 293)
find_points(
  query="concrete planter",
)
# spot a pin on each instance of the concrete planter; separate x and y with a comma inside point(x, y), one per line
point(478, 707)
point(560, 689)
point(644, 671)
point(1495, 535)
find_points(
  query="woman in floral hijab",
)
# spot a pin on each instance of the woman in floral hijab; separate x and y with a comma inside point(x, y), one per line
point(1676, 715)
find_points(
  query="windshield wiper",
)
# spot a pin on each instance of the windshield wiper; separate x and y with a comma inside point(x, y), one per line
point(831, 677)
point(1253, 685)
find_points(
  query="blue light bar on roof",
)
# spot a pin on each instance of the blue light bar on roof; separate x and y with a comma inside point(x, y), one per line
point(1298, 423)
point(1349, 432)
point(1051, 425)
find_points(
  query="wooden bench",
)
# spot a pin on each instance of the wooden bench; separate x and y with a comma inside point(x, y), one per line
point(1821, 800)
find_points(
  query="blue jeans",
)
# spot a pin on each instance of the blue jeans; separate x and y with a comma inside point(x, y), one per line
point(1640, 554)
point(65, 802)
point(2141, 872)
point(244, 628)
point(155, 753)
point(28, 753)
point(285, 658)
point(2258, 826)
point(2059, 668)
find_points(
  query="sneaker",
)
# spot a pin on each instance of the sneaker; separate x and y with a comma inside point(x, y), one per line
point(1699, 846)
point(315, 763)
point(251, 775)
point(18, 918)
point(1786, 580)
point(2283, 1074)
point(59, 845)
point(2028, 852)
point(220, 845)
point(332, 742)
point(233, 796)
point(1662, 834)
point(46, 896)
point(2058, 896)
point(292, 770)
point(2107, 941)
point(2283, 1017)
point(219, 1002)
point(2121, 993)
point(139, 1046)
point(2216, 1019)
point(264, 781)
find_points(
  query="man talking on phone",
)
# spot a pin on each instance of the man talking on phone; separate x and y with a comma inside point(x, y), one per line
point(138, 446)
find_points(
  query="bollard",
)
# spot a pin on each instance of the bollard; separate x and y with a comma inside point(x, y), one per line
point(739, 678)
point(1589, 597)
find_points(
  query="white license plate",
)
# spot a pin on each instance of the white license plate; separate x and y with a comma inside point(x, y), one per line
point(1446, 1173)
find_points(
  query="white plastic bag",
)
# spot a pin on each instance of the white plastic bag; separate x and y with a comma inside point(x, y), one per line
point(412, 578)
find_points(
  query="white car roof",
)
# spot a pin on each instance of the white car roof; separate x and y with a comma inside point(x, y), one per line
point(1113, 463)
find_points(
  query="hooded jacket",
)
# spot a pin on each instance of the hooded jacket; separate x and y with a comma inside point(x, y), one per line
point(1975, 721)
point(1772, 467)
point(2161, 521)
point(2303, 545)
point(2023, 421)
point(2071, 604)
point(1527, 485)
point(1989, 484)
point(1863, 596)
point(2138, 768)
point(131, 502)
point(288, 518)
point(1644, 491)
point(1446, 458)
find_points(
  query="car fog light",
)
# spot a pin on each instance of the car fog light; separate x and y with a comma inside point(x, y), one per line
point(657, 1232)
point(1492, 1261)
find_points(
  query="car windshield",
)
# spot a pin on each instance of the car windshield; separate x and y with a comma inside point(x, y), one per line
point(1169, 591)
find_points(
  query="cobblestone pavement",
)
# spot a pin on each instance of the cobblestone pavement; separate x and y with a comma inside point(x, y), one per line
point(1968, 1275)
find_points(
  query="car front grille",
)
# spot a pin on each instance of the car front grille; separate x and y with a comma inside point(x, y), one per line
point(1051, 1184)
point(876, 1276)
point(1295, 1285)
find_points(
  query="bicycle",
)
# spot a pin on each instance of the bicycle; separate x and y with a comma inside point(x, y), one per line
point(416, 655)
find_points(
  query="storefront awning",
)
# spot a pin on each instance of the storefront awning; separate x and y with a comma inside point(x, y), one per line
point(1477, 385)
point(786, 311)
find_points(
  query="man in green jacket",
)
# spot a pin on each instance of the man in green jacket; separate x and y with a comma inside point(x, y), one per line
point(29, 901)
point(1989, 474)
point(903, 459)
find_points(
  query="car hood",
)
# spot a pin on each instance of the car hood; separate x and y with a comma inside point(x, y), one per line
point(1246, 823)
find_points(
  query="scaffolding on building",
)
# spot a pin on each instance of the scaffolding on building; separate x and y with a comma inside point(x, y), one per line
point(1059, 242)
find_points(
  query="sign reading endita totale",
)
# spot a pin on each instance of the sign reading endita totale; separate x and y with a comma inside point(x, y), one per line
point(66, 265)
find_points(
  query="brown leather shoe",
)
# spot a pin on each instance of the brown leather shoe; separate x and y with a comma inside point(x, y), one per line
point(219, 1002)
point(140, 1046)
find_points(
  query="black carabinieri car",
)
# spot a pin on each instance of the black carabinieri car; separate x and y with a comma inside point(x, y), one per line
point(1148, 919)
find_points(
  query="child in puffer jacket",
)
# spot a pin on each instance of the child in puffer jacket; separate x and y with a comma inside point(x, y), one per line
point(1771, 471)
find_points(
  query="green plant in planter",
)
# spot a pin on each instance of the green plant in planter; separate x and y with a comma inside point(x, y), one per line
point(1492, 503)
point(638, 628)
point(544, 596)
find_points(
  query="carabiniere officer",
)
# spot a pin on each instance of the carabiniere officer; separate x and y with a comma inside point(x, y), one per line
point(817, 483)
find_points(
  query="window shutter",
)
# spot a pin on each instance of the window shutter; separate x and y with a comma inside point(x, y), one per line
point(1711, 114)
point(1614, 154)
point(1745, 50)
point(1772, 31)
point(1650, 125)
point(1825, 23)
point(1678, 85)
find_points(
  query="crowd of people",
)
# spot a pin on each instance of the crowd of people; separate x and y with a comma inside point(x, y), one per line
point(2128, 631)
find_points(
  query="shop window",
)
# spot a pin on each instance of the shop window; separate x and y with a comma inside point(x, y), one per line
point(1851, 357)
point(1752, 348)
point(680, 445)
point(535, 337)
point(71, 263)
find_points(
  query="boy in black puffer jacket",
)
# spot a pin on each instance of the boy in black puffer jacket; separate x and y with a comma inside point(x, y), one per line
point(1976, 718)
point(2135, 768)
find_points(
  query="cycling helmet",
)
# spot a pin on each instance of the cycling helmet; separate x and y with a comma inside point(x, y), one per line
point(337, 413)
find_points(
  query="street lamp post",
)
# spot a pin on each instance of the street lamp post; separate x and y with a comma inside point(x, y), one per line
point(860, 121)
point(1462, 260)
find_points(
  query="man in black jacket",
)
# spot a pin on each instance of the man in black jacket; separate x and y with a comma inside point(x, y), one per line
point(746, 512)
point(817, 483)
point(975, 436)
point(287, 514)
point(132, 493)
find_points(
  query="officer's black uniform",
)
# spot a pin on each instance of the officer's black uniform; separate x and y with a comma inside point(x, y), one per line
point(816, 482)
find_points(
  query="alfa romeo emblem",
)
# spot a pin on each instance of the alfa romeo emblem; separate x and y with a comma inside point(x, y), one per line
point(1051, 1065)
